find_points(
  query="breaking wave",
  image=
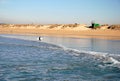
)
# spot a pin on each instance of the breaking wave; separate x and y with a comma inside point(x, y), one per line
point(60, 59)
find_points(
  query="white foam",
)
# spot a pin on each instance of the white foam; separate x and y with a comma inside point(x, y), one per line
point(114, 60)
point(110, 62)
point(105, 57)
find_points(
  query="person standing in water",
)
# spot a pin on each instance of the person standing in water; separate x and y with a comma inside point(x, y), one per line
point(40, 38)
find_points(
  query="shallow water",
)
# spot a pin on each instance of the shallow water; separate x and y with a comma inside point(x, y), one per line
point(24, 58)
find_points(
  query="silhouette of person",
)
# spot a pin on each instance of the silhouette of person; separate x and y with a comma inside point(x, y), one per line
point(39, 38)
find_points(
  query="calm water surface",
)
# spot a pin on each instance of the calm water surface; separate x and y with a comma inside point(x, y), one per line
point(24, 58)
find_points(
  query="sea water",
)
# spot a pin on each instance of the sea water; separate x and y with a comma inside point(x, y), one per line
point(24, 58)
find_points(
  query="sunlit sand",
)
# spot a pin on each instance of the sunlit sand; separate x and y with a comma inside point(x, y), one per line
point(68, 30)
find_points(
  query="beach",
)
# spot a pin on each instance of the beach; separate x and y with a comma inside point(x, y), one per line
point(72, 54)
point(60, 40)
point(47, 30)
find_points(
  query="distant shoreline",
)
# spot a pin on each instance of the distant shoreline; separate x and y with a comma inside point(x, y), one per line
point(80, 32)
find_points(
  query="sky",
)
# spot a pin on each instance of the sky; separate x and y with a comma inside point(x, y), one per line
point(59, 11)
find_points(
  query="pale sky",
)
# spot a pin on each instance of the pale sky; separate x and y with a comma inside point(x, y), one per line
point(60, 11)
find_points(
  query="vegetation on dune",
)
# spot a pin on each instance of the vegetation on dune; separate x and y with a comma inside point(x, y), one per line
point(70, 25)
point(114, 27)
point(62, 26)
point(54, 25)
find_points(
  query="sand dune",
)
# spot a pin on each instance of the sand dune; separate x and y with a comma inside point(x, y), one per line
point(66, 30)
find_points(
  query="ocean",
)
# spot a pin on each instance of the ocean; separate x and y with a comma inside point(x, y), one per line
point(25, 58)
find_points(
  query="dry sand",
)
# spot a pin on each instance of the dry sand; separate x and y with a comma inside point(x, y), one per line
point(80, 31)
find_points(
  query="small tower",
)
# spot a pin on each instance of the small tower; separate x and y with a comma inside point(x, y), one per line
point(92, 24)
point(95, 25)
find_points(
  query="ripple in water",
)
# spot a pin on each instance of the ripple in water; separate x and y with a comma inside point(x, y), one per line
point(23, 60)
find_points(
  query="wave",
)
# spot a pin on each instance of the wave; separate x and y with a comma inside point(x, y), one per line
point(104, 59)
point(108, 59)
point(45, 46)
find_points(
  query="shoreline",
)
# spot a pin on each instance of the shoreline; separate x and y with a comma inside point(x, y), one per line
point(99, 34)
